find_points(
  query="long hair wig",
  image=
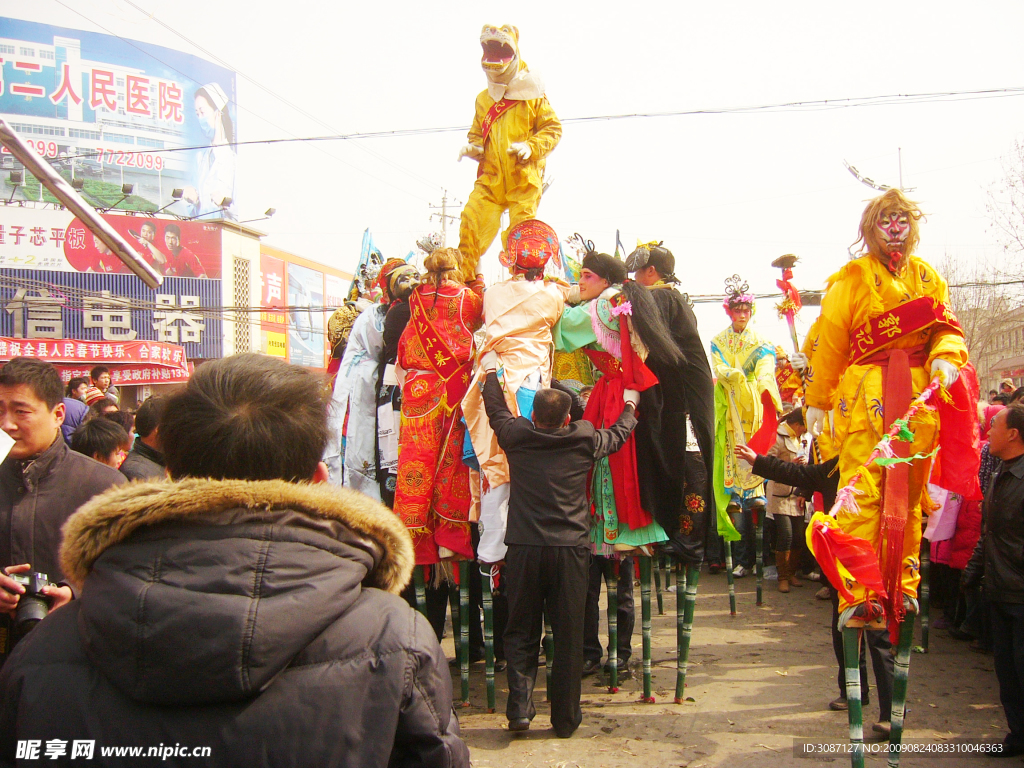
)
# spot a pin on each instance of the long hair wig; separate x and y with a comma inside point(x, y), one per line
point(650, 327)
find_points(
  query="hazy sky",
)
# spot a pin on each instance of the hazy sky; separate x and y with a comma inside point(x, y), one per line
point(726, 192)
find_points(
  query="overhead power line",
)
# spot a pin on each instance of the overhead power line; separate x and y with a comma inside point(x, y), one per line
point(897, 99)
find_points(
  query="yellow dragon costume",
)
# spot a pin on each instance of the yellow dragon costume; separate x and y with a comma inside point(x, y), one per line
point(514, 129)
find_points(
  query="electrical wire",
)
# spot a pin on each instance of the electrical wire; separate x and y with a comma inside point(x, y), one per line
point(126, 41)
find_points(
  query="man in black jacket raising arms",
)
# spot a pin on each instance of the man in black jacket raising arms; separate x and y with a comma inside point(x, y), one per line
point(999, 559)
point(548, 541)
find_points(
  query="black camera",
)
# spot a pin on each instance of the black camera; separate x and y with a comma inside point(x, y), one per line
point(33, 606)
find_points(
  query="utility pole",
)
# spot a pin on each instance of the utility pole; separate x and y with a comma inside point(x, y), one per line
point(444, 216)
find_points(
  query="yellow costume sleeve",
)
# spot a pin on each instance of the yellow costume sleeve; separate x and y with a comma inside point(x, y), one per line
point(764, 374)
point(476, 131)
point(547, 128)
point(831, 353)
point(945, 344)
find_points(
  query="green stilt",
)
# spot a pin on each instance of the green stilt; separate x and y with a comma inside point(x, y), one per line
point(686, 584)
point(657, 584)
point(758, 550)
point(899, 688)
point(612, 578)
point(485, 581)
point(419, 585)
point(464, 629)
point(851, 654)
point(549, 654)
point(453, 604)
point(729, 576)
point(923, 590)
point(645, 607)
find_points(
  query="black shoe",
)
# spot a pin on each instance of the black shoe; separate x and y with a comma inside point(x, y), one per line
point(622, 667)
point(519, 724)
point(473, 659)
point(1009, 748)
point(716, 567)
point(500, 665)
point(958, 634)
point(590, 667)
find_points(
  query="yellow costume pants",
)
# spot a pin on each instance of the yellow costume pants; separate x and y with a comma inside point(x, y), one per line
point(856, 446)
point(481, 217)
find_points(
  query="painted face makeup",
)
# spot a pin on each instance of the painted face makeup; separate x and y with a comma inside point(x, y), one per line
point(893, 229)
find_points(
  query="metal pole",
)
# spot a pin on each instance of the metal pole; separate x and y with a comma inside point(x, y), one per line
point(923, 592)
point(758, 513)
point(731, 579)
point(657, 585)
point(684, 630)
point(549, 654)
point(419, 586)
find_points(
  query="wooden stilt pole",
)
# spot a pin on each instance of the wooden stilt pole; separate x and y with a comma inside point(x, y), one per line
point(729, 577)
point(646, 564)
point(612, 579)
point(758, 513)
point(464, 629)
point(659, 565)
point(900, 675)
point(485, 582)
point(923, 592)
point(420, 587)
point(686, 585)
point(851, 655)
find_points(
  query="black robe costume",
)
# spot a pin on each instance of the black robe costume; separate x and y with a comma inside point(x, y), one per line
point(675, 485)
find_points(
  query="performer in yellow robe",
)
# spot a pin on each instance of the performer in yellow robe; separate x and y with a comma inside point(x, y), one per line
point(884, 300)
point(518, 316)
point(514, 129)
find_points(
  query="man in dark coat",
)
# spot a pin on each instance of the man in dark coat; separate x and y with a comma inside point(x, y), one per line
point(145, 461)
point(42, 482)
point(998, 563)
point(677, 418)
point(242, 609)
point(548, 541)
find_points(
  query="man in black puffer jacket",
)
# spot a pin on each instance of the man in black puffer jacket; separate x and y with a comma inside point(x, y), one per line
point(242, 608)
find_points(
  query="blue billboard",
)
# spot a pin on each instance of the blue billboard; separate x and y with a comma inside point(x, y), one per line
point(107, 110)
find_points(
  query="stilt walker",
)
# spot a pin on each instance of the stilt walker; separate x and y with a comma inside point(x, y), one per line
point(682, 501)
point(747, 404)
point(645, 625)
point(886, 331)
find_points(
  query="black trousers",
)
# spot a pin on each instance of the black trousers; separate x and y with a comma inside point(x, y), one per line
point(553, 580)
point(626, 615)
point(882, 661)
point(1008, 655)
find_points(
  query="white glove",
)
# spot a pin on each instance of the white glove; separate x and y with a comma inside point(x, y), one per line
point(489, 361)
point(630, 397)
point(472, 151)
point(947, 372)
point(815, 419)
point(799, 361)
point(521, 149)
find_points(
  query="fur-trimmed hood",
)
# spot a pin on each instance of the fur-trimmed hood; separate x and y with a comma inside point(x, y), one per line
point(112, 517)
point(203, 591)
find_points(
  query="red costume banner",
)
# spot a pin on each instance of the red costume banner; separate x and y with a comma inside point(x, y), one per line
point(899, 322)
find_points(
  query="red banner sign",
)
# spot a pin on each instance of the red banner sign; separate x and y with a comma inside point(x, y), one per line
point(148, 354)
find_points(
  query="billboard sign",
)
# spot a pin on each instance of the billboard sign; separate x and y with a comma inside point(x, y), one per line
point(105, 108)
point(106, 313)
point(306, 345)
point(273, 315)
point(38, 238)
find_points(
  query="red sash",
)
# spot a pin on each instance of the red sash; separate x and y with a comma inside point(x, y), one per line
point(497, 109)
point(440, 357)
point(903, 321)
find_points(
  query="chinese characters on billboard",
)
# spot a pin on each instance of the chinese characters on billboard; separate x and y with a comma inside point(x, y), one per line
point(105, 108)
point(306, 316)
point(273, 316)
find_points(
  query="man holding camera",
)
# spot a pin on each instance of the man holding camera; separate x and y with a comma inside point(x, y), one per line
point(42, 482)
